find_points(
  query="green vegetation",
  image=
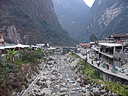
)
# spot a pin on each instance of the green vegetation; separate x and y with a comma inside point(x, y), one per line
point(90, 73)
point(74, 55)
point(93, 76)
point(45, 29)
point(65, 51)
point(93, 38)
point(13, 73)
point(31, 56)
point(120, 89)
point(11, 54)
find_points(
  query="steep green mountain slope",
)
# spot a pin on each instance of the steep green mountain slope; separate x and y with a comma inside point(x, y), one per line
point(71, 14)
point(105, 17)
point(31, 19)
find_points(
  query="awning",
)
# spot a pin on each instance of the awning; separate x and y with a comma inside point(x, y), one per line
point(22, 46)
point(14, 46)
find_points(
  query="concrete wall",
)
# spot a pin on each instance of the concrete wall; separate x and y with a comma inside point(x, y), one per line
point(109, 77)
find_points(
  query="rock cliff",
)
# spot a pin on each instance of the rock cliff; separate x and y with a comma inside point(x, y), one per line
point(33, 18)
point(105, 17)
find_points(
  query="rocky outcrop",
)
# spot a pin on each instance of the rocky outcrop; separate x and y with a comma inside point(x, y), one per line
point(109, 15)
point(12, 33)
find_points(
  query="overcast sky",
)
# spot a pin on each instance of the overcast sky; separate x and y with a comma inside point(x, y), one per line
point(89, 2)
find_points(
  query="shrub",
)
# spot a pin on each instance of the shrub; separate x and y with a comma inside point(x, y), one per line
point(75, 55)
point(31, 56)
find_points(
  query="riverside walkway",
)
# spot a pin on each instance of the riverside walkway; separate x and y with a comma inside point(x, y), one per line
point(105, 70)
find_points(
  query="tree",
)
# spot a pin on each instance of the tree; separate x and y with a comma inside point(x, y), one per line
point(93, 38)
point(11, 54)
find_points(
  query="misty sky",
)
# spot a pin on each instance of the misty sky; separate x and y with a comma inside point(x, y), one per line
point(89, 2)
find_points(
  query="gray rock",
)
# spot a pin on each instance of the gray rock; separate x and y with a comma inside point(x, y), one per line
point(102, 85)
point(92, 94)
point(63, 89)
point(103, 91)
point(57, 86)
point(105, 94)
point(88, 94)
point(53, 78)
point(83, 90)
point(78, 80)
point(61, 94)
point(87, 86)
point(72, 92)
point(114, 94)
point(75, 77)
point(14, 94)
point(39, 83)
point(46, 91)
point(43, 78)
point(96, 91)
point(48, 83)
point(64, 84)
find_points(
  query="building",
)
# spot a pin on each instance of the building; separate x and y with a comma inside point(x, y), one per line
point(112, 51)
point(122, 36)
point(85, 45)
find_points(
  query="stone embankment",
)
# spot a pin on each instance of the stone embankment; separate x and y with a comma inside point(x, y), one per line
point(63, 77)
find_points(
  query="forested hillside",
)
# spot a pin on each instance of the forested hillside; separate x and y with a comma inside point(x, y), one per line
point(35, 19)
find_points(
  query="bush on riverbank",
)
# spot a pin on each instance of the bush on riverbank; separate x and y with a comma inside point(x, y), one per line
point(74, 55)
point(31, 56)
point(86, 69)
point(93, 76)
point(120, 89)
point(15, 75)
point(65, 51)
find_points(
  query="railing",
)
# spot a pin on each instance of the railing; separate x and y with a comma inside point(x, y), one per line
point(121, 56)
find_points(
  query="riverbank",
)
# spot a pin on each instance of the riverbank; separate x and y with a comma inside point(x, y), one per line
point(108, 86)
point(64, 77)
point(118, 74)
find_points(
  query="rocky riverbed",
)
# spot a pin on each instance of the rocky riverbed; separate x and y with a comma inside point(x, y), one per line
point(61, 77)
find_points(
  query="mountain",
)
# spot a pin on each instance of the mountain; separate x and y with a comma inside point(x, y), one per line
point(105, 17)
point(71, 14)
point(31, 21)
